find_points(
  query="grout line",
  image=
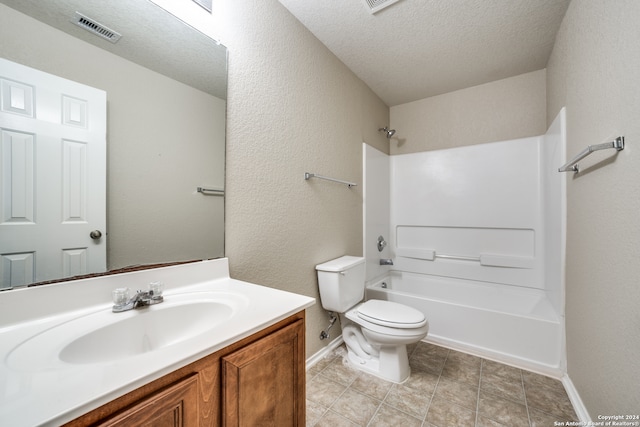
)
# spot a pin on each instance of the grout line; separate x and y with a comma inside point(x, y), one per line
point(478, 396)
point(374, 414)
point(526, 401)
point(435, 389)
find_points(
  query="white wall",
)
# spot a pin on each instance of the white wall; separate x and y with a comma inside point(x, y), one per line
point(593, 71)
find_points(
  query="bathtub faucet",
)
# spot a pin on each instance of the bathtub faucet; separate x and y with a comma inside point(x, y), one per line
point(386, 261)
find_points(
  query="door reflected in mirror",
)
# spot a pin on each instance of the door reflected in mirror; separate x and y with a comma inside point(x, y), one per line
point(165, 126)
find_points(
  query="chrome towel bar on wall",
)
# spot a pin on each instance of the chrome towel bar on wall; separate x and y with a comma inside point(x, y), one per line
point(572, 165)
point(210, 191)
point(308, 176)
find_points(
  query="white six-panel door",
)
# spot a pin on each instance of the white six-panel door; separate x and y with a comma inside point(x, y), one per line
point(52, 176)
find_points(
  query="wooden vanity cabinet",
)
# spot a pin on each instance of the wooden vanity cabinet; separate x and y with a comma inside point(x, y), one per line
point(261, 382)
point(257, 381)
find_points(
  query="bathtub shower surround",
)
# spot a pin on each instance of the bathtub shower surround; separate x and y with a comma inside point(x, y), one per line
point(477, 238)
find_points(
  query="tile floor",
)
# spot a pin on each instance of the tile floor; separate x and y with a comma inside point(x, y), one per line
point(446, 389)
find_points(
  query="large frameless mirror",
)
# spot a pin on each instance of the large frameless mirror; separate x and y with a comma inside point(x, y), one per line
point(164, 130)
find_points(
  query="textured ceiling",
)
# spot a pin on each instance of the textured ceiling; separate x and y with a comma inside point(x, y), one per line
point(415, 49)
point(151, 37)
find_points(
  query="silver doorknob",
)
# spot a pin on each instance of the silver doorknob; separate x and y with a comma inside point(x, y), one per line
point(95, 234)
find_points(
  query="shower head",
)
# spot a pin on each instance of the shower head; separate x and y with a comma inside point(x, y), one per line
point(388, 132)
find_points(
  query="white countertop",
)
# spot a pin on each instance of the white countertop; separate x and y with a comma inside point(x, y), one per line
point(54, 392)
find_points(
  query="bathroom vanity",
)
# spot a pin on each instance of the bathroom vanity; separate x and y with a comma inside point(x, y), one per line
point(217, 351)
point(258, 380)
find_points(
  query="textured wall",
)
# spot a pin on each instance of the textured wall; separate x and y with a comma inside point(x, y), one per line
point(593, 70)
point(293, 107)
point(502, 110)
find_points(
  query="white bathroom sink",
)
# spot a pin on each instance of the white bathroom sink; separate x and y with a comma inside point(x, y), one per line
point(104, 336)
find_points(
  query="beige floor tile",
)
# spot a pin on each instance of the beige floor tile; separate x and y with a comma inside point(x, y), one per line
point(432, 349)
point(321, 364)
point(331, 419)
point(411, 348)
point(501, 370)
point(340, 371)
point(549, 400)
point(462, 367)
point(428, 358)
point(427, 363)
point(408, 400)
point(315, 411)
point(356, 407)
point(371, 386)
point(486, 422)
point(421, 381)
point(442, 390)
point(502, 410)
point(542, 380)
point(460, 393)
point(503, 386)
point(540, 419)
point(324, 391)
point(443, 413)
point(391, 417)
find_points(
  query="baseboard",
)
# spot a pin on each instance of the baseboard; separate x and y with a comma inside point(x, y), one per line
point(324, 352)
point(576, 401)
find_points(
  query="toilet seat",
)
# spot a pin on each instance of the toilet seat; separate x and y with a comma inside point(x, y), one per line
point(391, 314)
point(395, 329)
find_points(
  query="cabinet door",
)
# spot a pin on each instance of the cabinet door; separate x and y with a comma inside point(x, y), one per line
point(263, 384)
point(177, 405)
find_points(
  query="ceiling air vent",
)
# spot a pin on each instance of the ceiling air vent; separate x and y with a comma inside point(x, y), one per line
point(377, 5)
point(95, 27)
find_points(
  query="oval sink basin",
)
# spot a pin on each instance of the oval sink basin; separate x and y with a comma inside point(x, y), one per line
point(149, 331)
point(104, 336)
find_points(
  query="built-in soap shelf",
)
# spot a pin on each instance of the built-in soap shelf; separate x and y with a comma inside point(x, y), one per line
point(488, 260)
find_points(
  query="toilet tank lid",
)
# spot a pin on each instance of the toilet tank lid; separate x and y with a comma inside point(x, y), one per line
point(340, 264)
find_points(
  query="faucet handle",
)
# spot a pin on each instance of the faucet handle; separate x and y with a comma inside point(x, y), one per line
point(156, 289)
point(381, 243)
point(120, 296)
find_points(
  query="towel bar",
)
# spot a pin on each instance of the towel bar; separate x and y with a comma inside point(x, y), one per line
point(308, 176)
point(572, 165)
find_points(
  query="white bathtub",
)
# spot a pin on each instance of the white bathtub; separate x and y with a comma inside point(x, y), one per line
point(510, 324)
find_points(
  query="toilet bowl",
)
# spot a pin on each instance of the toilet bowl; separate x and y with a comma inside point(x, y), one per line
point(375, 332)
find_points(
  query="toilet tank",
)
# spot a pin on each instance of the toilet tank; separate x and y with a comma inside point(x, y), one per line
point(341, 283)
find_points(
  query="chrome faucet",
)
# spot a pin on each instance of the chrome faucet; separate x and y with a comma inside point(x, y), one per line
point(386, 261)
point(122, 302)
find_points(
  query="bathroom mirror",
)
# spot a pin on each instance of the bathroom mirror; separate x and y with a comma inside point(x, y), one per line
point(165, 85)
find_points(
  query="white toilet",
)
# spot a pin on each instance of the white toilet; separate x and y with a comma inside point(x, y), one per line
point(376, 332)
